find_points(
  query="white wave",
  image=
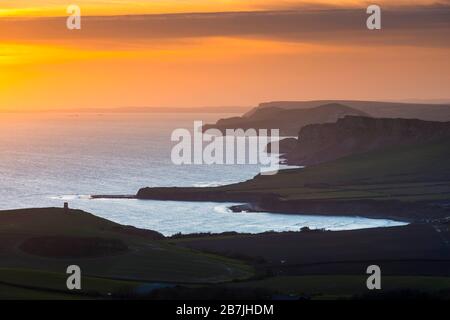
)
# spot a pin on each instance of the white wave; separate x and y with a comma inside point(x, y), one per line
point(211, 184)
point(222, 209)
point(71, 197)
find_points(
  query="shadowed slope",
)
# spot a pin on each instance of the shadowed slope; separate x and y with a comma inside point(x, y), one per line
point(288, 121)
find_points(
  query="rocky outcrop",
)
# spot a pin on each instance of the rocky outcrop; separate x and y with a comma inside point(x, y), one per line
point(320, 143)
point(284, 146)
point(289, 122)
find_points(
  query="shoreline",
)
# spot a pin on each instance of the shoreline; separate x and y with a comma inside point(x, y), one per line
point(231, 258)
point(370, 209)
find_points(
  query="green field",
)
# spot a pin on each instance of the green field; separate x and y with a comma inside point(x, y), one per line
point(407, 173)
point(344, 286)
point(147, 259)
point(34, 284)
point(8, 292)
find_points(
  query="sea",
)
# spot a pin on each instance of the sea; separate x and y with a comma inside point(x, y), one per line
point(50, 158)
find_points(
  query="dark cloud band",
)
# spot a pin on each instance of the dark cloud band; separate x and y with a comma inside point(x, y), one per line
point(420, 26)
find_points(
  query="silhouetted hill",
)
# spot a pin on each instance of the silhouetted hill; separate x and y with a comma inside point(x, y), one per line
point(423, 111)
point(47, 240)
point(288, 121)
point(320, 143)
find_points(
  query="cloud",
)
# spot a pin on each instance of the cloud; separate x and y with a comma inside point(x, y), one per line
point(412, 26)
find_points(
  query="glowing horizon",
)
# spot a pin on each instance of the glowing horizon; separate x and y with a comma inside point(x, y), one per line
point(205, 60)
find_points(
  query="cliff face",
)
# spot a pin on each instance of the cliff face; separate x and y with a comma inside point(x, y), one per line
point(289, 122)
point(320, 143)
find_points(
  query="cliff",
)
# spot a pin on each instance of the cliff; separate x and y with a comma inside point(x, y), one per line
point(288, 121)
point(406, 182)
point(320, 143)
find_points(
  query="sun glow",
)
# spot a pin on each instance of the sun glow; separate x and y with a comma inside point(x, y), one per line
point(33, 8)
point(208, 60)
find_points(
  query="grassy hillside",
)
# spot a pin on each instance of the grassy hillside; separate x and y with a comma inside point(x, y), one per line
point(35, 284)
point(143, 256)
point(331, 287)
point(330, 265)
point(419, 172)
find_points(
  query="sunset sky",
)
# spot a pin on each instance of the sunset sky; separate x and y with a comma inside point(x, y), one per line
point(187, 53)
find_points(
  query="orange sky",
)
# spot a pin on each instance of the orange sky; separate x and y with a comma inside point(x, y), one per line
point(312, 51)
point(115, 7)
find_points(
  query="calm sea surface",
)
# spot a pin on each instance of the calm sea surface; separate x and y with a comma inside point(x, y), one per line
point(46, 160)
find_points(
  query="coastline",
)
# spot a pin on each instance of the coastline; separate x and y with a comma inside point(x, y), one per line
point(384, 184)
point(271, 203)
point(221, 260)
